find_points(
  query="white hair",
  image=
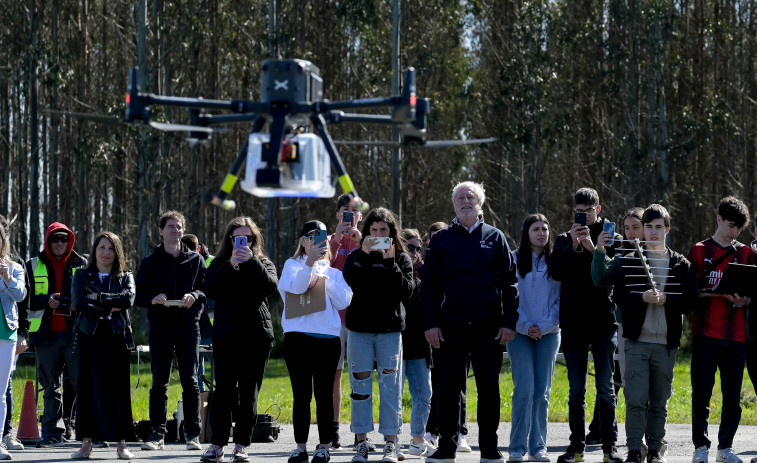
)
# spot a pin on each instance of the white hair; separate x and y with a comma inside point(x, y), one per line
point(477, 188)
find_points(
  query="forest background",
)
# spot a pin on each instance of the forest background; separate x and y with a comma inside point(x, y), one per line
point(646, 101)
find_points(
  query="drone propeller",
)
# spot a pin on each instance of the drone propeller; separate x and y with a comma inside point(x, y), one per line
point(168, 127)
point(95, 117)
point(427, 144)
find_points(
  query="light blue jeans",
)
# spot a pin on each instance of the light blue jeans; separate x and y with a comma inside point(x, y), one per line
point(418, 376)
point(532, 363)
point(386, 349)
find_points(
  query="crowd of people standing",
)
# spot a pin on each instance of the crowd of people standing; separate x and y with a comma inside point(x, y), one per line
point(368, 293)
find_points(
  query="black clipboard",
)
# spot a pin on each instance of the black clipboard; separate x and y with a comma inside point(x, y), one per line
point(738, 279)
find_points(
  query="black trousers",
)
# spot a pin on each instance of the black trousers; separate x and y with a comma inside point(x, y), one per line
point(707, 356)
point(432, 425)
point(185, 340)
point(312, 365)
point(460, 341)
point(240, 363)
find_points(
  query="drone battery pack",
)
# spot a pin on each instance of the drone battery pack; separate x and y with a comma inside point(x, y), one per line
point(306, 175)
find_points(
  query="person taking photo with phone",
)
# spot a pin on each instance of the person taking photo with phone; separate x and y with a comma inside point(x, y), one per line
point(381, 277)
point(313, 293)
point(240, 280)
point(345, 239)
point(587, 322)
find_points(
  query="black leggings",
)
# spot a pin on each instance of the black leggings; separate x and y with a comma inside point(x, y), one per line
point(312, 365)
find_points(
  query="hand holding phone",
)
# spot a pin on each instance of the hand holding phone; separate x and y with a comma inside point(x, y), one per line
point(381, 243)
point(319, 238)
point(609, 227)
point(347, 217)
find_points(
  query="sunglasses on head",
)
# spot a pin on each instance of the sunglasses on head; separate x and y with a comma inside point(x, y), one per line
point(413, 248)
point(59, 239)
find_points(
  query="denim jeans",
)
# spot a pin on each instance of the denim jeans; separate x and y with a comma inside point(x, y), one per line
point(418, 376)
point(533, 364)
point(707, 356)
point(386, 349)
point(575, 347)
point(649, 383)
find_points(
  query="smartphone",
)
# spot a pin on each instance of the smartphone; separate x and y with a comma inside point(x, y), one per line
point(609, 227)
point(347, 218)
point(240, 242)
point(319, 238)
point(173, 303)
point(580, 218)
point(382, 243)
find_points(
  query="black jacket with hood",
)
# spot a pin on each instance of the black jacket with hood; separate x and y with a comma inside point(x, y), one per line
point(41, 301)
point(162, 273)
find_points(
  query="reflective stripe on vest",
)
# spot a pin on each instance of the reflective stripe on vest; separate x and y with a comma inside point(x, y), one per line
point(40, 287)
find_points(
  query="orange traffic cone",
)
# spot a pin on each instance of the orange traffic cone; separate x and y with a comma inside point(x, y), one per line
point(27, 426)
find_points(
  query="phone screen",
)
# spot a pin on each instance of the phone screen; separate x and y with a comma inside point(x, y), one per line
point(609, 227)
point(580, 218)
point(240, 241)
point(319, 237)
point(382, 243)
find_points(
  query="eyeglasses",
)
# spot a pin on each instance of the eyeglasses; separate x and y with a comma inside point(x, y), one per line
point(591, 209)
point(414, 249)
point(249, 237)
point(469, 198)
point(59, 239)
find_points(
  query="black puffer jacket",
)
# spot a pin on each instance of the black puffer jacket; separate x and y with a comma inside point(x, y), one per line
point(241, 297)
point(118, 294)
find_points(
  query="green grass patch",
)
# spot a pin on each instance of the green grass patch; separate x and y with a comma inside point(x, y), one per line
point(277, 390)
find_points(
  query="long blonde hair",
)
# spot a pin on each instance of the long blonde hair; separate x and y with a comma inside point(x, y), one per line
point(301, 249)
point(5, 247)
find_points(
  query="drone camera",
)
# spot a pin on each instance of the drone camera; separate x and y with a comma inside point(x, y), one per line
point(293, 81)
point(136, 109)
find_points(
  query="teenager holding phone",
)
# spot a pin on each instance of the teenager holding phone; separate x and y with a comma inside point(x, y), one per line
point(380, 280)
point(239, 279)
point(313, 293)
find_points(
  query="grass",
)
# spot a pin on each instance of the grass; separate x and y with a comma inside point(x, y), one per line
point(277, 390)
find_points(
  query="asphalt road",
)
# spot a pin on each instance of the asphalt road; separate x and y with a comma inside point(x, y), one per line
point(678, 437)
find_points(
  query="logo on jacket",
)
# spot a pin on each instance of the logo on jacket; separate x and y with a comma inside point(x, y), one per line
point(486, 245)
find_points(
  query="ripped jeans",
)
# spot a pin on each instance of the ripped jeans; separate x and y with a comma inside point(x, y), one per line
point(386, 350)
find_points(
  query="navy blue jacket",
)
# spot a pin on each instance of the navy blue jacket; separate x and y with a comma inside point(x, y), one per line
point(469, 277)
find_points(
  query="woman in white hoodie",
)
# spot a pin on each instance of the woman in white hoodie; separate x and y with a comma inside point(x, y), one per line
point(313, 293)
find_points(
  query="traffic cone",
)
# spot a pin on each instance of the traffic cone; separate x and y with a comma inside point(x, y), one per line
point(27, 426)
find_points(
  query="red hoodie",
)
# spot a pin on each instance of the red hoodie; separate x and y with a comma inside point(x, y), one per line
point(58, 324)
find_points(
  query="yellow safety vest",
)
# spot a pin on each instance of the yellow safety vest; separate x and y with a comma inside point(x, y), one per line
point(41, 286)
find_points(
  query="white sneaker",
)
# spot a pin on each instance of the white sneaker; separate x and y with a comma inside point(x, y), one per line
point(541, 455)
point(462, 444)
point(701, 455)
point(727, 456)
point(418, 449)
point(11, 443)
point(431, 439)
point(515, 456)
point(390, 452)
point(4, 454)
point(194, 444)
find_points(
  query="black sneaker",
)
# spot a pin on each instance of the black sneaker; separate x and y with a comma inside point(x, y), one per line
point(612, 455)
point(492, 456)
point(336, 443)
point(593, 438)
point(49, 442)
point(571, 456)
point(654, 456)
point(634, 456)
point(321, 456)
point(298, 456)
point(441, 456)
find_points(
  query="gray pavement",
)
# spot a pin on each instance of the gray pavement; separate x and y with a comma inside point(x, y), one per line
point(678, 437)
